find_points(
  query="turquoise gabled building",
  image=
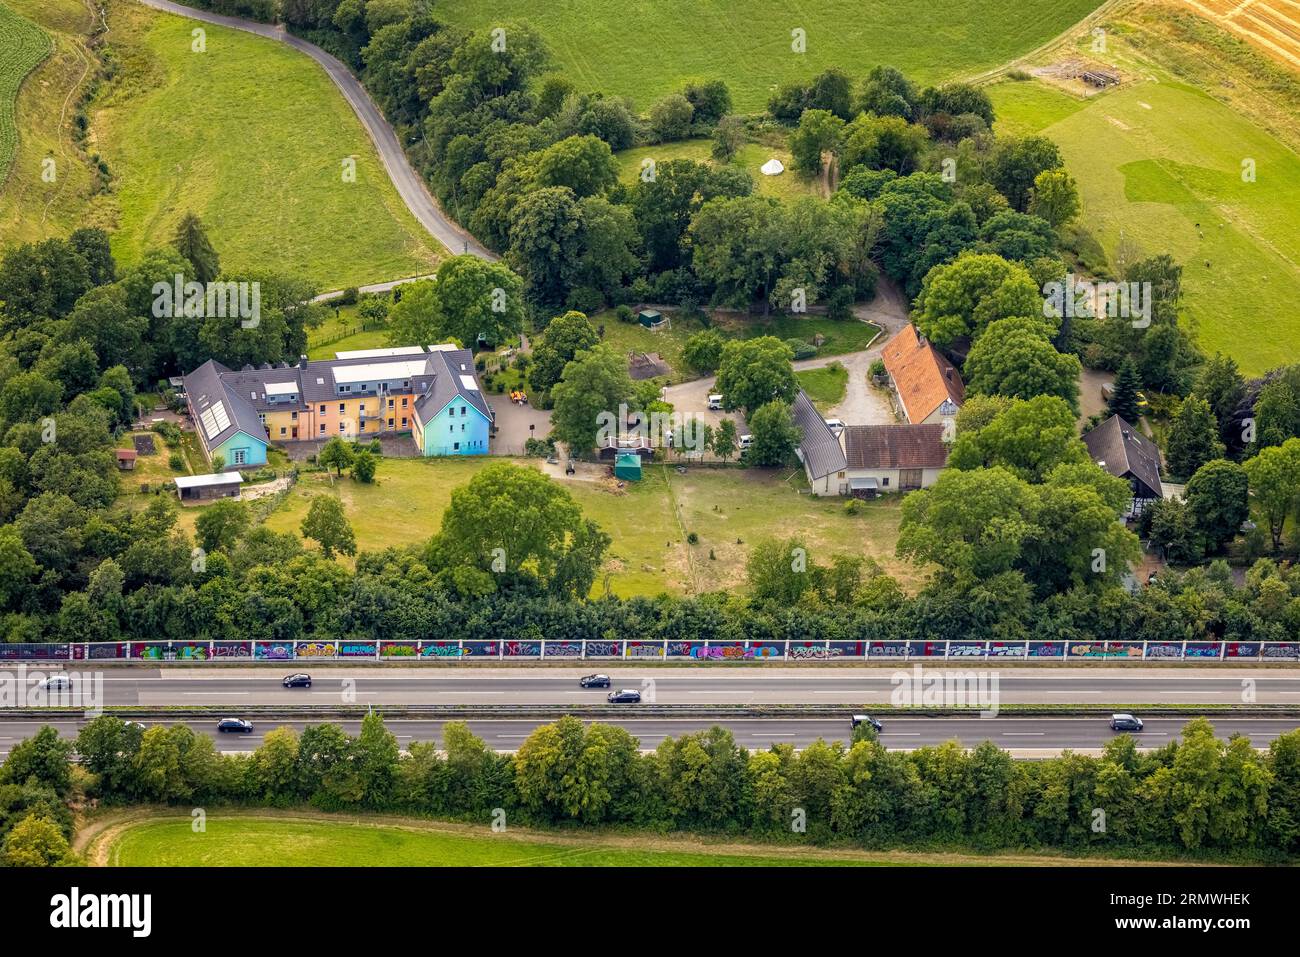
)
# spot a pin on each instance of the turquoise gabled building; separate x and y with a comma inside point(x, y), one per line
point(453, 416)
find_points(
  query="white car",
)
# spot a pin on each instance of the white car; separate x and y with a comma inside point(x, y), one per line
point(56, 683)
point(715, 403)
point(835, 425)
point(745, 442)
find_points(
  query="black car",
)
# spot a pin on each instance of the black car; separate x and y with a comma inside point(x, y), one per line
point(1125, 722)
point(594, 681)
point(297, 681)
point(865, 719)
point(626, 696)
point(235, 724)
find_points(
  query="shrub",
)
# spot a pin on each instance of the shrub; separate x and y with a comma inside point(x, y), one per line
point(692, 539)
point(624, 314)
point(176, 461)
point(853, 506)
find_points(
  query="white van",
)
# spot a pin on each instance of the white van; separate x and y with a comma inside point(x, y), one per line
point(745, 442)
point(835, 425)
point(715, 403)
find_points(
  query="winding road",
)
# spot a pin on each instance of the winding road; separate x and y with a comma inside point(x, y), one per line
point(410, 186)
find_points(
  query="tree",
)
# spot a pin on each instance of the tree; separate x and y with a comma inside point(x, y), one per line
point(725, 440)
point(887, 92)
point(1124, 397)
point(1218, 501)
point(703, 351)
point(545, 242)
point(513, 520)
point(40, 281)
point(17, 567)
point(1277, 414)
point(754, 372)
point(191, 241)
point(728, 138)
point(220, 525)
point(568, 770)
point(819, 132)
point(364, 465)
point(336, 454)
point(775, 434)
point(44, 758)
point(326, 523)
point(1221, 384)
point(591, 389)
point(1016, 165)
point(1275, 483)
point(1029, 437)
point(472, 297)
point(92, 244)
point(964, 296)
point(670, 117)
point(1014, 357)
point(1054, 197)
point(562, 339)
point(36, 841)
point(882, 142)
point(711, 101)
point(1193, 437)
point(582, 163)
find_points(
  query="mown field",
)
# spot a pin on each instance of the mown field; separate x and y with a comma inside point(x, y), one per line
point(250, 135)
point(1160, 164)
point(23, 45)
point(750, 157)
point(728, 509)
point(647, 48)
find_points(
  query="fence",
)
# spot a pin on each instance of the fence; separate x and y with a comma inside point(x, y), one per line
point(378, 650)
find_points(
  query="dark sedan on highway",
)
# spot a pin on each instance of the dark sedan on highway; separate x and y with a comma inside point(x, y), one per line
point(237, 725)
point(594, 681)
point(626, 696)
point(860, 719)
point(297, 681)
point(1125, 722)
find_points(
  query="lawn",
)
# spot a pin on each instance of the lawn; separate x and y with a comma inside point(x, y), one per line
point(23, 45)
point(1160, 164)
point(252, 136)
point(825, 386)
point(727, 509)
point(342, 332)
point(645, 49)
point(750, 157)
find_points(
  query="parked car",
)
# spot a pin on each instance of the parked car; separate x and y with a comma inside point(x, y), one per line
point(56, 683)
point(626, 696)
point(745, 442)
point(594, 681)
point(297, 681)
point(1125, 722)
point(715, 403)
point(865, 719)
point(237, 725)
point(835, 425)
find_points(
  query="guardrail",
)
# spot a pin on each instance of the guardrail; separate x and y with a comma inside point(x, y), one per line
point(665, 650)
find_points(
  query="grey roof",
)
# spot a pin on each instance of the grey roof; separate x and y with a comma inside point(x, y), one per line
point(1122, 451)
point(819, 448)
point(207, 389)
point(446, 368)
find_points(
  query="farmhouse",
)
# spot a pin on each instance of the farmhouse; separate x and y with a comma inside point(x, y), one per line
point(867, 460)
point(1119, 448)
point(433, 395)
point(928, 387)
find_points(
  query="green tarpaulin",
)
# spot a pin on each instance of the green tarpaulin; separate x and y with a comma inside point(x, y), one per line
point(628, 466)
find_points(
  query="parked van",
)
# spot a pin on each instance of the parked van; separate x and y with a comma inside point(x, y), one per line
point(715, 403)
point(745, 442)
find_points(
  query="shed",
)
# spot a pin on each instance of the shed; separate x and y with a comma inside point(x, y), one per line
point(198, 488)
point(651, 319)
point(628, 466)
point(126, 459)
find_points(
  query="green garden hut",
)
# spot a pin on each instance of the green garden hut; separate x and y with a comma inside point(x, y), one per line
point(650, 318)
point(628, 466)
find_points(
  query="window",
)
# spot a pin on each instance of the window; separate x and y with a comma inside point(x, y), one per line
point(403, 421)
point(462, 410)
point(455, 446)
point(362, 408)
point(403, 402)
point(840, 475)
point(322, 428)
point(390, 423)
point(406, 384)
point(261, 417)
point(341, 427)
point(884, 481)
point(451, 428)
point(239, 456)
point(342, 408)
point(282, 430)
point(462, 426)
point(293, 416)
point(390, 403)
point(322, 408)
point(345, 388)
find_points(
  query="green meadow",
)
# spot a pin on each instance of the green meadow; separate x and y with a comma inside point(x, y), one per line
point(644, 49)
point(1165, 167)
point(23, 45)
point(750, 157)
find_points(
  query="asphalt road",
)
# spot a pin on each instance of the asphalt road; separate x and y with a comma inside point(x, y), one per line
point(1025, 737)
point(762, 684)
point(407, 181)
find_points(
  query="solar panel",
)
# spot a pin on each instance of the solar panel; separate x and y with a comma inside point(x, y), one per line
point(468, 382)
point(215, 419)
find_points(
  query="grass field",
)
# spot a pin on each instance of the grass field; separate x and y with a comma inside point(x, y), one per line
point(825, 386)
point(341, 332)
point(750, 157)
point(1160, 164)
point(647, 48)
point(23, 45)
point(250, 135)
point(728, 509)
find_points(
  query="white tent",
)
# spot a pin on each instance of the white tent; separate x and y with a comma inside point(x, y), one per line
point(773, 167)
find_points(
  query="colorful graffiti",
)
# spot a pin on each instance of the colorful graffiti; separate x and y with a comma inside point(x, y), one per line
point(232, 649)
point(679, 649)
point(398, 649)
point(1046, 649)
point(1203, 649)
point(317, 649)
point(812, 653)
point(522, 649)
point(273, 650)
point(1165, 649)
point(644, 649)
point(442, 649)
point(1282, 649)
point(36, 651)
point(563, 649)
point(999, 649)
point(965, 649)
point(170, 651)
point(887, 649)
point(358, 649)
point(925, 649)
point(604, 649)
point(1106, 649)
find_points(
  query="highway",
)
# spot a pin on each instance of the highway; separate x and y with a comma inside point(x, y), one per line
point(759, 684)
point(1024, 737)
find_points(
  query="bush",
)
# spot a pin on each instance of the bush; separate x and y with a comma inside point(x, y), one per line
point(349, 297)
point(692, 539)
point(877, 367)
point(853, 507)
point(624, 314)
point(176, 462)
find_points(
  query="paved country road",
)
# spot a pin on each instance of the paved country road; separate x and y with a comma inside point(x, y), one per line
point(407, 181)
point(464, 684)
point(1025, 737)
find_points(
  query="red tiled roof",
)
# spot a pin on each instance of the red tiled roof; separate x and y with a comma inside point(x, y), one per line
point(895, 447)
point(923, 377)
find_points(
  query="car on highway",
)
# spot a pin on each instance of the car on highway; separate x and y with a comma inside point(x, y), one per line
point(594, 681)
point(237, 725)
point(860, 719)
point(1125, 722)
point(626, 696)
point(299, 680)
point(136, 724)
point(56, 683)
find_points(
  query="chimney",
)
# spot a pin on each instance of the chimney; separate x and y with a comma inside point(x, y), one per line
point(302, 362)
